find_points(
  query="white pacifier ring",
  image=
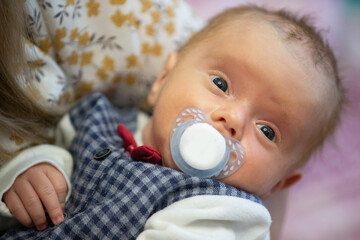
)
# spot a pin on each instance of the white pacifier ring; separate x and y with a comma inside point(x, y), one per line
point(198, 149)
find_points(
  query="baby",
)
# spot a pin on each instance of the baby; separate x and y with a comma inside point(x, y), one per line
point(261, 78)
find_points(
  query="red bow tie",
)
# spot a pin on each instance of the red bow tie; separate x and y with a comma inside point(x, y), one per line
point(143, 153)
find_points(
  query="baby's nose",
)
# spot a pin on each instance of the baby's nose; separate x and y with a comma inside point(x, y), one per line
point(229, 122)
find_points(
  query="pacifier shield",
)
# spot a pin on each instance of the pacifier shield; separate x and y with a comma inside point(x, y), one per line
point(198, 149)
point(202, 146)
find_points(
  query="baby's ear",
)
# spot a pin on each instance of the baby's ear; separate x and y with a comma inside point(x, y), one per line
point(157, 85)
point(288, 181)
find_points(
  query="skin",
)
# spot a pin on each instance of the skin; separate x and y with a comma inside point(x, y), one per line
point(269, 83)
point(41, 186)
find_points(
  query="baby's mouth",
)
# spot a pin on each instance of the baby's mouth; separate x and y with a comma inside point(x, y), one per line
point(198, 149)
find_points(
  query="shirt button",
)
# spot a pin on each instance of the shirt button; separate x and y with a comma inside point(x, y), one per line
point(102, 154)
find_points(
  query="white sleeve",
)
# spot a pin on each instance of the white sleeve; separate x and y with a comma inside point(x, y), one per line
point(209, 217)
point(65, 132)
point(45, 153)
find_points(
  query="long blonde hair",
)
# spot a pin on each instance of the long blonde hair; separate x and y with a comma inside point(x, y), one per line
point(20, 114)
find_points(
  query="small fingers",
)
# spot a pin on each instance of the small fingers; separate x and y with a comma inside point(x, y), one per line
point(49, 197)
point(59, 183)
point(32, 204)
point(17, 209)
point(40, 186)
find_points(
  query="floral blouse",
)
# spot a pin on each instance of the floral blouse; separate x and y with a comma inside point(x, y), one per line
point(116, 47)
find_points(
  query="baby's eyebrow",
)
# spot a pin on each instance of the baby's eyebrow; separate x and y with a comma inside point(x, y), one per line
point(292, 125)
point(284, 120)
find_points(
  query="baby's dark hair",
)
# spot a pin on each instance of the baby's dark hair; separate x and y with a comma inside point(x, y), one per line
point(293, 29)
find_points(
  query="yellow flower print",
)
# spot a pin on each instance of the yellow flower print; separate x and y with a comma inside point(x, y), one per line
point(170, 12)
point(137, 24)
point(107, 63)
point(150, 30)
point(74, 34)
point(86, 58)
point(117, 78)
point(73, 58)
point(45, 45)
point(156, 16)
point(131, 61)
point(118, 19)
point(145, 48)
point(101, 73)
point(58, 44)
point(18, 141)
point(131, 79)
point(84, 87)
point(157, 50)
point(70, 2)
point(84, 39)
point(117, 2)
point(65, 98)
point(93, 8)
point(170, 28)
point(134, 21)
point(60, 32)
point(36, 63)
point(146, 5)
point(59, 35)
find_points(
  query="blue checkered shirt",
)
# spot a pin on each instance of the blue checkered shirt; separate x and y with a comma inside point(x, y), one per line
point(113, 197)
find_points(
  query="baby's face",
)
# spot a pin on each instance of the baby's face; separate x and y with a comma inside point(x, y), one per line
point(253, 87)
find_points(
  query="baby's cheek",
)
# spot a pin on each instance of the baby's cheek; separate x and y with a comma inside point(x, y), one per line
point(247, 178)
point(167, 160)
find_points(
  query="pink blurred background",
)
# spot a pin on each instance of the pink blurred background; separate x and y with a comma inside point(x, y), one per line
point(326, 203)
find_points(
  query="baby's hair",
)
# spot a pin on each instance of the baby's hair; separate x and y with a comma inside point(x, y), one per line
point(293, 29)
point(20, 114)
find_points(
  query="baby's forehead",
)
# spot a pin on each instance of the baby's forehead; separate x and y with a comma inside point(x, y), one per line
point(289, 32)
point(269, 30)
point(263, 36)
point(281, 34)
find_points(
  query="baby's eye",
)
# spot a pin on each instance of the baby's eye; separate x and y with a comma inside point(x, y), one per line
point(267, 131)
point(220, 83)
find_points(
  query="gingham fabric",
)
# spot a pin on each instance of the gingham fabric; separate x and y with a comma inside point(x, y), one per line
point(113, 198)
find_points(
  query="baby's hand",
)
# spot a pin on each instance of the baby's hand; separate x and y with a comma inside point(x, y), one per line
point(41, 186)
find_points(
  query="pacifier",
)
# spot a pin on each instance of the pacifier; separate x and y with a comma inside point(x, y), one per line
point(198, 149)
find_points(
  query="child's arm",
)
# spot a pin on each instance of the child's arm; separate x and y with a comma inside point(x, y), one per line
point(38, 175)
point(209, 217)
